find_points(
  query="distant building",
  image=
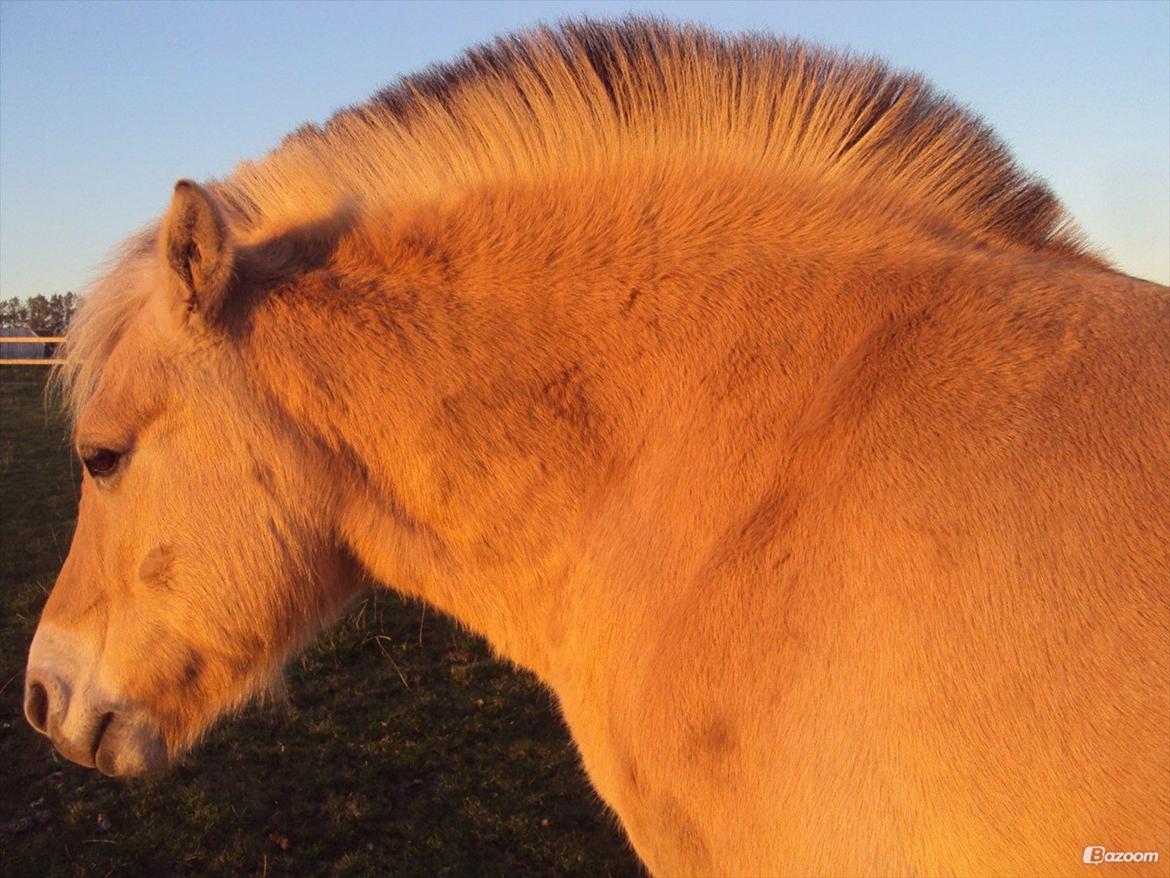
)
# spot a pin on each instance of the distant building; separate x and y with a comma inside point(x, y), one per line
point(21, 350)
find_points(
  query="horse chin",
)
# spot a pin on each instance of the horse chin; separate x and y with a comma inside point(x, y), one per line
point(130, 747)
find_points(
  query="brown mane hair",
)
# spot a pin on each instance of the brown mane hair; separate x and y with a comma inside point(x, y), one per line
point(552, 101)
point(588, 94)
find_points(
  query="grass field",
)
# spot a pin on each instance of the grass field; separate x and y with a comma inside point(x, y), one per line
point(402, 747)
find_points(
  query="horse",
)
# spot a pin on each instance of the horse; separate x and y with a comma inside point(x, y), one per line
point(746, 392)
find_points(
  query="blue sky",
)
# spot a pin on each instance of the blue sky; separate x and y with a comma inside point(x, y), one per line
point(104, 105)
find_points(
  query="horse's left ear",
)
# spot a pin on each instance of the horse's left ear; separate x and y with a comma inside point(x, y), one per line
point(196, 249)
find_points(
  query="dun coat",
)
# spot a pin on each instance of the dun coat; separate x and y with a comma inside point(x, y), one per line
point(747, 393)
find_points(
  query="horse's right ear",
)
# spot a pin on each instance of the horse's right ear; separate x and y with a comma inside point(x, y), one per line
point(196, 250)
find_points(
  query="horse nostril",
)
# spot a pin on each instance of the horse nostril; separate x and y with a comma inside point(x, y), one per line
point(36, 707)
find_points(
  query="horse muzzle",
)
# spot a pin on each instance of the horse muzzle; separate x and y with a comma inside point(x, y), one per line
point(85, 723)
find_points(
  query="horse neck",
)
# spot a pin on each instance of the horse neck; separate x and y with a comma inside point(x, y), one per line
point(483, 378)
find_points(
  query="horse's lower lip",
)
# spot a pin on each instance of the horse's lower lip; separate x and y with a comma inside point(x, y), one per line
point(97, 738)
point(128, 746)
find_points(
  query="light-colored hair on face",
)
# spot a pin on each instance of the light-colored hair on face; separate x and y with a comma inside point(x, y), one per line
point(106, 309)
point(558, 101)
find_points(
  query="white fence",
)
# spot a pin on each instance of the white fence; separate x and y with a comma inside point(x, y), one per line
point(30, 339)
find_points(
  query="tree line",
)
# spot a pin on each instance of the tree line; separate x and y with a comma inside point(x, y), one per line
point(44, 315)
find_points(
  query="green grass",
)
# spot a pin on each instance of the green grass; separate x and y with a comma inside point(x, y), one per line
point(402, 748)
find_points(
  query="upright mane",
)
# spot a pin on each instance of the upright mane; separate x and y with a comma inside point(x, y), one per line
point(584, 95)
point(555, 100)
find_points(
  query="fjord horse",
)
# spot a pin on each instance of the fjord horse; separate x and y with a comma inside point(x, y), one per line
point(747, 393)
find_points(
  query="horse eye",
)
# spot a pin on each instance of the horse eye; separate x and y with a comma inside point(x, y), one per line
point(100, 461)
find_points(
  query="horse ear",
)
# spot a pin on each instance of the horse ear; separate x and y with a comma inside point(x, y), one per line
point(197, 250)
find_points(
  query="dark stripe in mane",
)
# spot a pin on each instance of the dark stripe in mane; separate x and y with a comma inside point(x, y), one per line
point(787, 102)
